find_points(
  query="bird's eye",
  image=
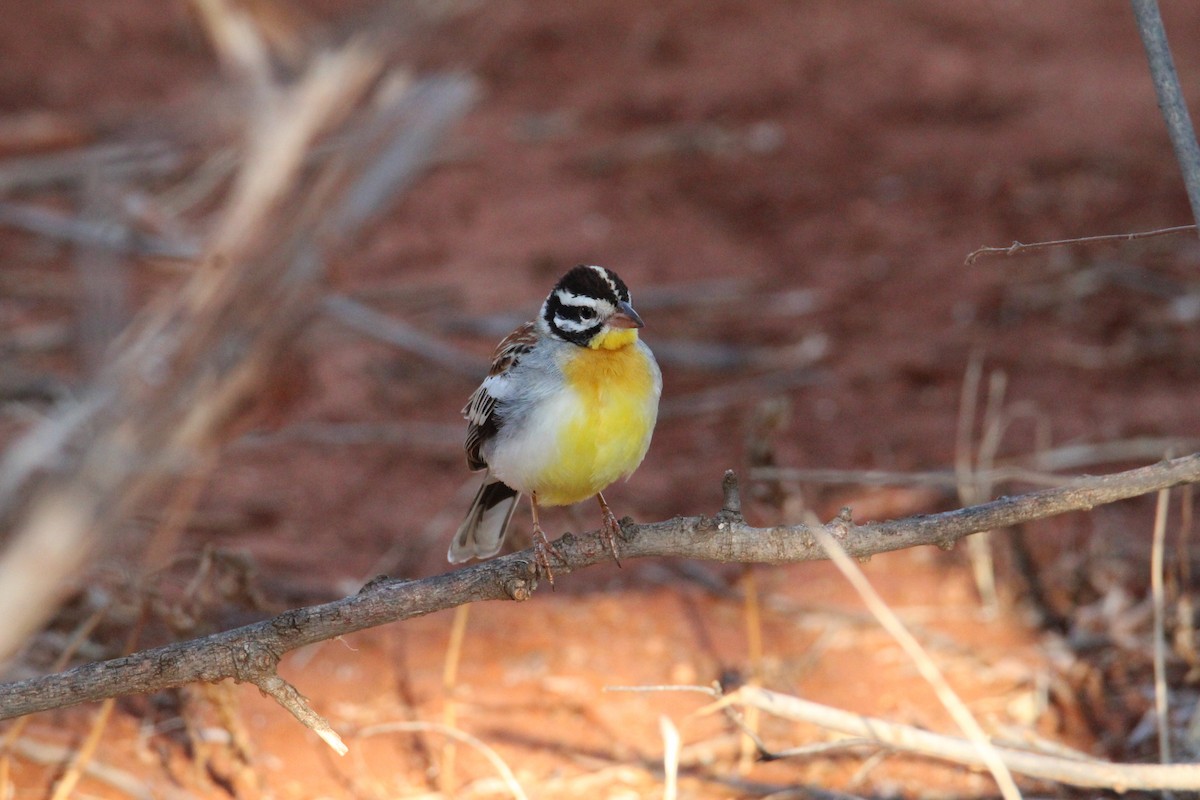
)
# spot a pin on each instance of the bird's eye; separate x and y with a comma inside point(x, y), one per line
point(587, 313)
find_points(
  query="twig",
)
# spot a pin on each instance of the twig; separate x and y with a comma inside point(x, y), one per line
point(286, 695)
point(378, 325)
point(107, 235)
point(752, 616)
point(1085, 455)
point(972, 488)
point(1184, 639)
point(13, 734)
point(1092, 773)
point(83, 756)
point(1170, 98)
point(733, 393)
point(115, 160)
point(1017, 248)
point(670, 735)
point(411, 435)
point(254, 650)
point(124, 782)
point(959, 712)
point(505, 772)
point(458, 632)
point(1036, 469)
point(1161, 699)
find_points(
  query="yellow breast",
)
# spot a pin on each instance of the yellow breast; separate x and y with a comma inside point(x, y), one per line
point(608, 432)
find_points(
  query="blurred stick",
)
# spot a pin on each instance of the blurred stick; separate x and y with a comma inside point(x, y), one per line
point(1170, 98)
point(116, 160)
point(376, 324)
point(1038, 469)
point(187, 367)
point(184, 376)
point(1157, 557)
point(251, 653)
point(106, 235)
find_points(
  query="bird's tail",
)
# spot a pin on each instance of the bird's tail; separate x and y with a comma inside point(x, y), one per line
point(482, 533)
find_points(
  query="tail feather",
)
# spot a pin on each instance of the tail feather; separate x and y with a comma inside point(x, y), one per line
point(481, 534)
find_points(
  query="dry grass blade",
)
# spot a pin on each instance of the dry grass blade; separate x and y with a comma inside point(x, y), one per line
point(1161, 700)
point(924, 664)
point(671, 742)
point(83, 756)
point(505, 772)
point(458, 633)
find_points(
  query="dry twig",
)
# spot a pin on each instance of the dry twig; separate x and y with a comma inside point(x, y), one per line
point(1092, 773)
point(1017, 248)
point(1161, 699)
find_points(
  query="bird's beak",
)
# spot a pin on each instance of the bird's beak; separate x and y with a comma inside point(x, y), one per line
point(625, 317)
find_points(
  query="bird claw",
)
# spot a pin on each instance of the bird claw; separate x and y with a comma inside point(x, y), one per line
point(610, 530)
point(542, 550)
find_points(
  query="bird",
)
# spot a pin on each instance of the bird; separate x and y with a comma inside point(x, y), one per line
point(567, 408)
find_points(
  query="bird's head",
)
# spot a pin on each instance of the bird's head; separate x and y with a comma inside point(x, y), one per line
point(590, 307)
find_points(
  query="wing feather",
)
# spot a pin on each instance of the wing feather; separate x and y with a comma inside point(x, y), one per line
point(482, 422)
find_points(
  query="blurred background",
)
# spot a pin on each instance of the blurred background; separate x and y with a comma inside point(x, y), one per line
point(790, 189)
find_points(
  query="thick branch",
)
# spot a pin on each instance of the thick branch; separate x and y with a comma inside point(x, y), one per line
point(248, 653)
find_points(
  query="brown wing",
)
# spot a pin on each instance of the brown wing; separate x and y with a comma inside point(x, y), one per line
point(482, 424)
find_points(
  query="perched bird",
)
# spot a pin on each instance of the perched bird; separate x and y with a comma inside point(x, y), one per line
point(567, 408)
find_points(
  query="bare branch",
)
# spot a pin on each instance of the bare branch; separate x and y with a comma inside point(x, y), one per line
point(249, 652)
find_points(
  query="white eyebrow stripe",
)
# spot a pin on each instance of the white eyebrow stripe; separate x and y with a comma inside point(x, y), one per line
point(572, 299)
point(574, 325)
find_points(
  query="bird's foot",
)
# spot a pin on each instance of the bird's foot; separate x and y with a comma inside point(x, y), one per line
point(610, 530)
point(542, 550)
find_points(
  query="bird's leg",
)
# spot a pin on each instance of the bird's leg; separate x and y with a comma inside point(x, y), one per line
point(610, 529)
point(542, 549)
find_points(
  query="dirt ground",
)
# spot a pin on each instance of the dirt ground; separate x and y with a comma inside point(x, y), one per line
point(790, 190)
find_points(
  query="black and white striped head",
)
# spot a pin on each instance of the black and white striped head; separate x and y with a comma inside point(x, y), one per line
point(586, 304)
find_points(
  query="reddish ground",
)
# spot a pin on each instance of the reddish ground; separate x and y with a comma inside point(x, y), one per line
point(790, 190)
